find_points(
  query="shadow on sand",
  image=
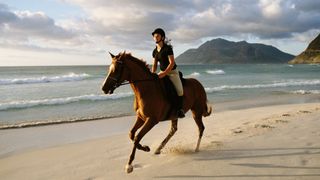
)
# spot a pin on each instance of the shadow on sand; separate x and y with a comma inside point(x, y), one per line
point(238, 176)
point(236, 154)
point(231, 154)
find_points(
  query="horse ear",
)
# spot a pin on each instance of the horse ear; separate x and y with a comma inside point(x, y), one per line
point(112, 56)
point(122, 54)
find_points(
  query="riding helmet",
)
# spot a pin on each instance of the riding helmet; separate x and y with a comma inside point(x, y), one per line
point(159, 31)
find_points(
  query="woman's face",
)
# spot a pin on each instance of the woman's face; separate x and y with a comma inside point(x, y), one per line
point(157, 38)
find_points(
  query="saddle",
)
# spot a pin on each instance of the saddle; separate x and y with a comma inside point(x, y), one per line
point(170, 91)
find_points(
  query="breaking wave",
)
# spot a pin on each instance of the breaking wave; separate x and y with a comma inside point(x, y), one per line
point(45, 79)
point(303, 92)
point(194, 74)
point(60, 101)
point(272, 85)
point(216, 72)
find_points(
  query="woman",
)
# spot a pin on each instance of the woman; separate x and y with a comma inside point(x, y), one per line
point(163, 54)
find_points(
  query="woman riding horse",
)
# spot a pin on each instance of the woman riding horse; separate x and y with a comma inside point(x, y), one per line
point(163, 54)
point(151, 102)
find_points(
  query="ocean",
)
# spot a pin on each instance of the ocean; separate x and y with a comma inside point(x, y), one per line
point(33, 96)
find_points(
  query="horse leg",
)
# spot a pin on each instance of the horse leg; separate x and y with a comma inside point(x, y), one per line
point(129, 167)
point(174, 128)
point(139, 122)
point(147, 126)
point(145, 129)
point(198, 119)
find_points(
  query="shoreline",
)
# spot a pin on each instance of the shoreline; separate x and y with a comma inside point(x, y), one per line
point(17, 140)
point(55, 122)
point(103, 127)
point(255, 143)
point(240, 104)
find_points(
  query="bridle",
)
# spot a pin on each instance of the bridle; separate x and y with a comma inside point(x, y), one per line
point(118, 77)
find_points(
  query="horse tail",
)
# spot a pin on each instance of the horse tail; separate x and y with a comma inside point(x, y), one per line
point(208, 110)
point(201, 106)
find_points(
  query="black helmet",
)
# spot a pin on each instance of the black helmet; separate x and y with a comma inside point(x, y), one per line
point(159, 31)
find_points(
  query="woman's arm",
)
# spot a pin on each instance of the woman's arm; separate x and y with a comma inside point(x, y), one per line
point(169, 68)
point(154, 66)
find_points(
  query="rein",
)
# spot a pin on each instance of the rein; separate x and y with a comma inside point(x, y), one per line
point(117, 78)
point(136, 81)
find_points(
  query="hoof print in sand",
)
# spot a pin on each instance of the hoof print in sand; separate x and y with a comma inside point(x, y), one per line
point(301, 111)
point(265, 126)
point(281, 121)
point(237, 130)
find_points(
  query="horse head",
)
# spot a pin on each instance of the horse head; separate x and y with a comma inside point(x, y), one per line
point(116, 74)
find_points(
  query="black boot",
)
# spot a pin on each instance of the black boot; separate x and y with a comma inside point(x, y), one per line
point(180, 112)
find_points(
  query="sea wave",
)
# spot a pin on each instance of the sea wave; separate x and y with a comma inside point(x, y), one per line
point(287, 83)
point(45, 79)
point(303, 92)
point(60, 101)
point(193, 74)
point(216, 72)
point(62, 121)
point(314, 64)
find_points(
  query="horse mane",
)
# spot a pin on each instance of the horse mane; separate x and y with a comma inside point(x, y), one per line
point(143, 64)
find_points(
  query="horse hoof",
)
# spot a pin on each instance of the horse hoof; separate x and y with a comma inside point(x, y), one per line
point(129, 168)
point(157, 152)
point(146, 148)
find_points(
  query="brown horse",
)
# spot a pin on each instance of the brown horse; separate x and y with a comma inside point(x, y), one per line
point(151, 104)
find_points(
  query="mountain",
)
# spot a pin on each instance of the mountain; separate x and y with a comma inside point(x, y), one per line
point(219, 51)
point(311, 55)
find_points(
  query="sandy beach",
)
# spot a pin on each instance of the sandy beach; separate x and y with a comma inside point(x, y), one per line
point(271, 142)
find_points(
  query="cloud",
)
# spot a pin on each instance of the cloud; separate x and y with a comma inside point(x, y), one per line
point(306, 5)
point(189, 21)
point(263, 19)
point(270, 9)
point(127, 24)
point(32, 30)
point(5, 14)
point(39, 25)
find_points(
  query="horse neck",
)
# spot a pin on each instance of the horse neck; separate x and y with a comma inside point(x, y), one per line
point(138, 73)
point(141, 78)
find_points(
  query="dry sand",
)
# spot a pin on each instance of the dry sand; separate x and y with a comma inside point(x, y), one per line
point(274, 142)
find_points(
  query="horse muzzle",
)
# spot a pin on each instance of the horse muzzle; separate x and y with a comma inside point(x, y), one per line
point(109, 91)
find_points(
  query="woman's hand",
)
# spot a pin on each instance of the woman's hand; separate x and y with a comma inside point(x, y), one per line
point(161, 75)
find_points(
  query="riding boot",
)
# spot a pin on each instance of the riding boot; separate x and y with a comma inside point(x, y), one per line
point(180, 112)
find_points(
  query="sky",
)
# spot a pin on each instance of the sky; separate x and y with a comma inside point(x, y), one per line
point(81, 32)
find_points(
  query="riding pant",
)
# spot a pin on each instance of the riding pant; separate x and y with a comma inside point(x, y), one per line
point(176, 81)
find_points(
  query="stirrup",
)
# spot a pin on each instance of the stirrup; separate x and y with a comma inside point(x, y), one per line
point(180, 114)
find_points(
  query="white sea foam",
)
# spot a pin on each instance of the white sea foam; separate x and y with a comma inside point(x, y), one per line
point(314, 64)
point(58, 121)
point(216, 72)
point(194, 74)
point(60, 101)
point(287, 83)
point(45, 79)
point(303, 92)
